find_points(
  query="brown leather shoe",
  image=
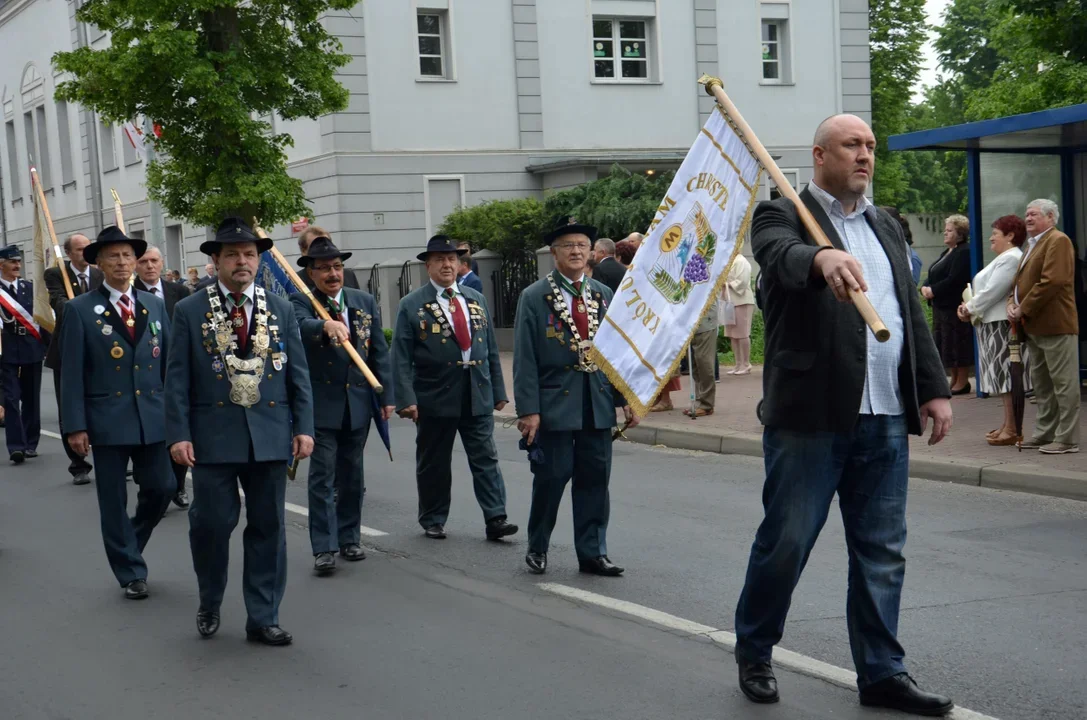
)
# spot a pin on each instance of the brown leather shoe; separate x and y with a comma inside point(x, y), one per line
point(1004, 441)
point(699, 412)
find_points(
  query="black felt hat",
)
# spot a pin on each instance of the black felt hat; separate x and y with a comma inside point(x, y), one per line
point(440, 244)
point(570, 226)
point(112, 236)
point(234, 230)
point(322, 249)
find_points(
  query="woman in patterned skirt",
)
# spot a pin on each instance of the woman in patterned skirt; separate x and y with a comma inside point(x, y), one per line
point(986, 309)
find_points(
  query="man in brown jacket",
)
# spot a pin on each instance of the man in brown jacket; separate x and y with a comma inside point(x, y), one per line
point(1044, 303)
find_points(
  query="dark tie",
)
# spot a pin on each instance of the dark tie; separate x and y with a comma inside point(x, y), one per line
point(82, 283)
point(153, 290)
point(237, 317)
point(460, 325)
point(581, 318)
point(126, 315)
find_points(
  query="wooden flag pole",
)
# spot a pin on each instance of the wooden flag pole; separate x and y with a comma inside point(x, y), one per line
point(860, 300)
point(59, 257)
point(321, 312)
point(118, 216)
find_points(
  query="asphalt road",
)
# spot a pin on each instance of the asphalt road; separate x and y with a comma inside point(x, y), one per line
point(994, 613)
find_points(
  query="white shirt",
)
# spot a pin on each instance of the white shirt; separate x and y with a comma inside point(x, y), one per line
point(115, 300)
point(1031, 242)
point(155, 289)
point(12, 286)
point(881, 395)
point(85, 273)
point(247, 302)
point(465, 355)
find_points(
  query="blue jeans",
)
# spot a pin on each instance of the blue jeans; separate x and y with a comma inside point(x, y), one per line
point(868, 468)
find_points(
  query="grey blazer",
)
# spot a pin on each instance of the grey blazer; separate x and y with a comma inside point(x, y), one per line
point(816, 347)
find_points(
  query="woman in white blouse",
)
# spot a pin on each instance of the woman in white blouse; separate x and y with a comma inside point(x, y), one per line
point(986, 309)
point(737, 291)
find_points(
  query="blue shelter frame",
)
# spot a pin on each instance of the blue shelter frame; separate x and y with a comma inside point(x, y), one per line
point(1061, 132)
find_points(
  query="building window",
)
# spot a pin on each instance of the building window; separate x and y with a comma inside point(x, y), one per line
point(42, 135)
point(107, 147)
point(621, 50)
point(128, 149)
point(64, 129)
point(433, 43)
point(13, 160)
point(791, 176)
point(775, 51)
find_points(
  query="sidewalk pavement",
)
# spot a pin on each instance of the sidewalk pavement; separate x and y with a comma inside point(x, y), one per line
point(962, 457)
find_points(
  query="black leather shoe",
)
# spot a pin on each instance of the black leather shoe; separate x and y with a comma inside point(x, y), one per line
point(964, 390)
point(181, 499)
point(537, 563)
point(31, 453)
point(81, 479)
point(900, 692)
point(435, 532)
point(136, 590)
point(324, 563)
point(207, 623)
point(757, 681)
point(17, 457)
point(600, 566)
point(499, 528)
point(269, 635)
point(352, 552)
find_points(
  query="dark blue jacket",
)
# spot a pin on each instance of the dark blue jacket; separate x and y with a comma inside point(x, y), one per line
point(19, 346)
point(337, 382)
point(199, 409)
point(112, 386)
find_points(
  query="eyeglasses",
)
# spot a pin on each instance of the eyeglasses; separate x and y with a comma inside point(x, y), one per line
point(328, 268)
point(573, 246)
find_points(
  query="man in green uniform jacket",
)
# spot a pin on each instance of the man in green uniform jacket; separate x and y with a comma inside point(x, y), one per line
point(449, 380)
point(565, 404)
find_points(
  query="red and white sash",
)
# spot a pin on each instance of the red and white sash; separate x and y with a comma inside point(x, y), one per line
point(18, 312)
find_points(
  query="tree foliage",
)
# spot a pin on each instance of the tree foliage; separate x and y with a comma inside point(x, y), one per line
point(896, 33)
point(207, 71)
point(504, 226)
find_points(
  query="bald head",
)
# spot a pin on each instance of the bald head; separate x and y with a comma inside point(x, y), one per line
point(844, 157)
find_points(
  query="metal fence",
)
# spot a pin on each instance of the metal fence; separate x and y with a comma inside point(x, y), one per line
point(404, 283)
point(373, 285)
point(516, 273)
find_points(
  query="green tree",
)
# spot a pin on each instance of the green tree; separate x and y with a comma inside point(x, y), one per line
point(504, 226)
point(616, 205)
point(896, 33)
point(206, 71)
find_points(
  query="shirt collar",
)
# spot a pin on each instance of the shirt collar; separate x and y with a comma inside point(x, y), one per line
point(115, 295)
point(338, 299)
point(13, 284)
point(248, 292)
point(580, 279)
point(441, 290)
point(831, 204)
point(1034, 240)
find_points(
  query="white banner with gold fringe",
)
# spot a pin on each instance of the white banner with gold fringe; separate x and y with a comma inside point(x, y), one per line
point(677, 273)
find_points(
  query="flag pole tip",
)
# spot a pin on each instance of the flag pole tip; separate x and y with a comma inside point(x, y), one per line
point(709, 81)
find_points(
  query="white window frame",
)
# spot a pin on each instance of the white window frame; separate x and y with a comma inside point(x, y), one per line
point(784, 50)
point(14, 167)
point(427, 220)
point(651, 38)
point(443, 9)
point(36, 123)
point(107, 141)
point(64, 132)
point(791, 174)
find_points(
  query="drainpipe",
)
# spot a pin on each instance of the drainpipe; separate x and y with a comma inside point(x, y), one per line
point(90, 120)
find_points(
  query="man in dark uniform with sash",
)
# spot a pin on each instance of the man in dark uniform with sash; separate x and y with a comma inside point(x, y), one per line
point(449, 380)
point(83, 278)
point(24, 344)
point(565, 404)
point(342, 400)
point(115, 341)
point(239, 406)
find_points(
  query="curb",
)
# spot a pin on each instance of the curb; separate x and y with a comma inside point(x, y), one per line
point(1019, 477)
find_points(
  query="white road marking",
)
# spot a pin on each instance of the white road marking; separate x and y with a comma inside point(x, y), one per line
point(50, 433)
point(782, 658)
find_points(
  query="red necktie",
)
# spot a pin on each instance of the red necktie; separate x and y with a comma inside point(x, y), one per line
point(237, 318)
point(460, 325)
point(126, 315)
point(581, 318)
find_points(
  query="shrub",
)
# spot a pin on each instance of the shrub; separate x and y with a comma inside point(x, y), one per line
point(503, 226)
point(389, 335)
point(616, 205)
point(758, 343)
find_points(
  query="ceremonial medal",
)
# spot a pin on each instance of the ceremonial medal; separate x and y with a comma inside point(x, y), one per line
point(422, 324)
point(97, 322)
point(422, 335)
point(116, 352)
point(446, 333)
point(99, 309)
point(217, 365)
point(131, 322)
point(277, 362)
point(155, 351)
point(435, 329)
point(580, 307)
point(107, 329)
